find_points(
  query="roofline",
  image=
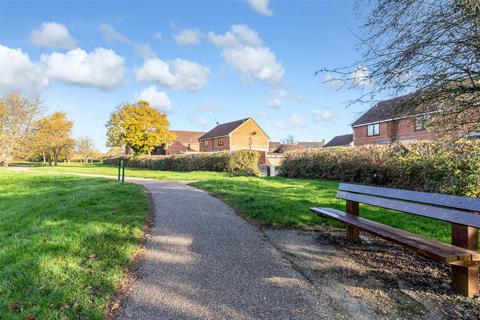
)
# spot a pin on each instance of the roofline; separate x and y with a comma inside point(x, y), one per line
point(250, 118)
point(392, 119)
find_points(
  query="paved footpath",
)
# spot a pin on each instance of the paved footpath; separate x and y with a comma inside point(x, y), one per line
point(202, 261)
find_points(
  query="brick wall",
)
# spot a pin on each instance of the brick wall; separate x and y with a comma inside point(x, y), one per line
point(213, 145)
point(405, 132)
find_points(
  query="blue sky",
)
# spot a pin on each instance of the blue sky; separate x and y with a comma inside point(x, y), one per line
point(199, 61)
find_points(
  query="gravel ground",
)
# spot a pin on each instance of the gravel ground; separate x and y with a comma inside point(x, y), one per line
point(374, 279)
point(202, 261)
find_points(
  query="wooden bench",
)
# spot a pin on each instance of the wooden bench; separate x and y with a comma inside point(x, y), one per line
point(461, 212)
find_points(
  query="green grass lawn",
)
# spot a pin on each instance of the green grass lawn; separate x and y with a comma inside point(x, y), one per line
point(65, 241)
point(275, 201)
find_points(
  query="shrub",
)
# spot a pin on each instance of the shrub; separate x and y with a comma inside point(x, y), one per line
point(245, 162)
point(446, 166)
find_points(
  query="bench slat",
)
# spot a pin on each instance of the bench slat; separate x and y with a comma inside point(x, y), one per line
point(457, 202)
point(423, 246)
point(439, 213)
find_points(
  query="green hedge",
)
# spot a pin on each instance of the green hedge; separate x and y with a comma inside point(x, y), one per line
point(451, 167)
point(245, 162)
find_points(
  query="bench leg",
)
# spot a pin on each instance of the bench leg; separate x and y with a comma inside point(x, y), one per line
point(353, 234)
point(465, 279)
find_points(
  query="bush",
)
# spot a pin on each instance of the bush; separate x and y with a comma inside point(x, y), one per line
point(245, 162)
point(447, 166)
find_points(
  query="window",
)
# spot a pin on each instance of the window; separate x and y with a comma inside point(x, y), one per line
point(373, 129)
point(205, 143)
point(221, 141)
point(421, 122)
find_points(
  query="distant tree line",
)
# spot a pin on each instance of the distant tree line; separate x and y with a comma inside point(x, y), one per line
point(25, 134)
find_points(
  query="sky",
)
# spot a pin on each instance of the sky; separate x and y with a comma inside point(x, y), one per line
point(201, 62)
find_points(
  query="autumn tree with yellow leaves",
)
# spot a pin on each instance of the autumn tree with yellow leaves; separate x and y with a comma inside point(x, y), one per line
point(52, 137)
point(139, 127)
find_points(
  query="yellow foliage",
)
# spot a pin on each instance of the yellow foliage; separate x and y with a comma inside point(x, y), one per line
point(139, 127)
point(52, 137)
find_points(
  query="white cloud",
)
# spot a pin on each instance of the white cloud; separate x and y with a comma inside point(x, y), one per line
point(294, 122)
point(19, 73)
point(144, 51)
point(361, 77)
point(53, 35)
point(264, 115)
point(275, 103)
point(157, 99)
point(297, 121)
point(333, 81)
point(243, 49)
point(177, 74)
point(209, 107)
point(101, 68)
point(158, 35)
point(111, 35)
point(261, 6)
point(320, 115)
point(188, 37)
point(199, 121)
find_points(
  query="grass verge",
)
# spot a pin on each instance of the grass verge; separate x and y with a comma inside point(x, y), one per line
point(276, 201)
point(66, 241)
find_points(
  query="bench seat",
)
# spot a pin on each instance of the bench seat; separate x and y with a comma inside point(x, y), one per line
point(429, 248)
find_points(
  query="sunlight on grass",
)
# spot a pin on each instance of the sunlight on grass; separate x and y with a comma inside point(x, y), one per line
point(65, 243)
point(276, 201)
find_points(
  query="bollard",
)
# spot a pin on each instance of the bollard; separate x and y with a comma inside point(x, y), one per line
point(119, 164)
point(123, 171)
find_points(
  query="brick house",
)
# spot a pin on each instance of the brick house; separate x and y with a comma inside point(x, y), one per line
point(392, 121)
point(185, 142)
point(345, 140)
point(243, 134)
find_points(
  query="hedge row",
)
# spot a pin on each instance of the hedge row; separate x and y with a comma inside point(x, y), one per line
point(245, 162)
point(451, 167)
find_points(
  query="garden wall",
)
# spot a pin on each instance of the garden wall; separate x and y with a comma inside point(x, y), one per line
point(245, 162)
point(446, 166)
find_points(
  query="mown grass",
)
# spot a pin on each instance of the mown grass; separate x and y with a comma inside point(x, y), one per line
point(97, 168)
point(276, 201)
point(65, 241)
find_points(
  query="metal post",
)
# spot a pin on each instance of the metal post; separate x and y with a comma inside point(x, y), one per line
point(123, 171)
point(119, 163)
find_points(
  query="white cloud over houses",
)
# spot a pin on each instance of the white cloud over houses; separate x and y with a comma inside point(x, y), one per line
point(177, 74)
point(19, 73)
point(243, 49)
point(333, 81)
point(101, 68)
point(209, 107)
point(188, 37)
point(294, 122)
point(157, 99)
point(261, 6)
point(52, 35)
point(322, 115)
point(111, 35)
point(361, 77)
point(275, 103)
point(199, 121)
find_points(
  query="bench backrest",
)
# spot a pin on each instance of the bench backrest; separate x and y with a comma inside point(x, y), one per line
point(454, 209)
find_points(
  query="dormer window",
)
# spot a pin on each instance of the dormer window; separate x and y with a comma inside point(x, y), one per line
point(421, 122)
point(373, 129)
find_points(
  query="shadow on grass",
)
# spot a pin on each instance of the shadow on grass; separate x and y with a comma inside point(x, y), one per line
point(65, 242)
point(281, 202)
